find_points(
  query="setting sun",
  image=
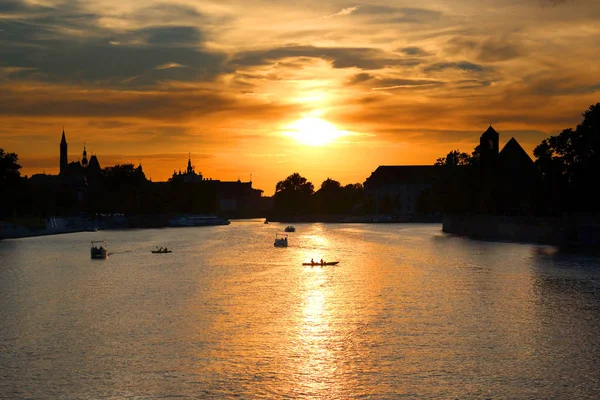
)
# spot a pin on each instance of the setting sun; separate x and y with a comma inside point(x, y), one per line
point(313, 131)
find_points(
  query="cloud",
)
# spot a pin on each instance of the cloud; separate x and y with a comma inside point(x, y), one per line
point(173, 105)
point(340, 57)
point(460, 65)
point(413, 51)
point(486, 49)
point(360, 78)
point(68, 44)
point(378, 83)
point(398, 14)
point(345, 11)
point(169, 65)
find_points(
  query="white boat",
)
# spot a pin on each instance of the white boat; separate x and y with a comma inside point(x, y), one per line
point(99, 249)
point(290, 228)
point(197, 220)
point(281, 240)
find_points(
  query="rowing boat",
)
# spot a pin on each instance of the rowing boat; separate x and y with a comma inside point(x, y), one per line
point(323, 263)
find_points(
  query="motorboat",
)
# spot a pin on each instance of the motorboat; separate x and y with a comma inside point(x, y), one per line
point(161, 251)
point(290, 228)
point(99, 249)
point(281, 240)
point(321, 263)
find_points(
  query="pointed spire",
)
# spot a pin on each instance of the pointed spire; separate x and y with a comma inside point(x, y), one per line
point(64, 139)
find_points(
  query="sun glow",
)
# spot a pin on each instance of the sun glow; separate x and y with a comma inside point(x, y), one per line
point(313, 131)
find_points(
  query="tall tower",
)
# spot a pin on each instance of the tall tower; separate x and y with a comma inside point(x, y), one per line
point(84, 160)
point(190, 169)
point(489, 147)
point(63, 154)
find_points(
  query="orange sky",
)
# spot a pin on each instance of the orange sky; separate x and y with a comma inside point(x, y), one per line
point(268, 88)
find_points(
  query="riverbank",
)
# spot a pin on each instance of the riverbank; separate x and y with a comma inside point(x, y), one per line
point(363, 219)
point(568, 231)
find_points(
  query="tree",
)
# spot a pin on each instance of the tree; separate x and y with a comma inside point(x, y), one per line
point(9, 169)
point(330, 185)
point(10, 180)
point(295, 183)
point(570, 161)
point(293, 195)
point(453, 159)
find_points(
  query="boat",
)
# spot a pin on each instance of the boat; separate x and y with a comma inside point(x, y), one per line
point(281, 240)
point(99, 249)
point(197, 220)
point(266, 222)
point(161, 251)
point(290, 228)
point(322, 263)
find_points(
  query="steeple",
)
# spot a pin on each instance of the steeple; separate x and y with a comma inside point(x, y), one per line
point(84, 160)
point(63, 154)
point(190, 169)
point(489, 147)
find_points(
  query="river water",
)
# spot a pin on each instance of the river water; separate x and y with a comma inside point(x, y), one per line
point(409, 312)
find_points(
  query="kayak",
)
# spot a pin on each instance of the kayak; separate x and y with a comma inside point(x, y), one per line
point(161, 252)
point(324, 263)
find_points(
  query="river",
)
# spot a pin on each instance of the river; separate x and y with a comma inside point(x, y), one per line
point(409, 312)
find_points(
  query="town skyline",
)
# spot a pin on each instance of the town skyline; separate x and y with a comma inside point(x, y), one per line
point(328, 90)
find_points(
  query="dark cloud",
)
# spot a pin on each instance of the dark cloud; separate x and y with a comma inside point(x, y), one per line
point(43, 49)
point(19, 6)
point(359, 78)
point(390, 82)
point(461, 65)
point(157, 105)
point(340, 57)
point(413, 51)
point(170, 36)
point(472, 84)
point(487, 49)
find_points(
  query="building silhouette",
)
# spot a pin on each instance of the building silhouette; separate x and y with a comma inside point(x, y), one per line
point(83, 167)
point(233, 196)
point(505, 180)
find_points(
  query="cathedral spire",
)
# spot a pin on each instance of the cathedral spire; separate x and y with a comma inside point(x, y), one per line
point(63, 153)
point(84, 160)
point(190, 169)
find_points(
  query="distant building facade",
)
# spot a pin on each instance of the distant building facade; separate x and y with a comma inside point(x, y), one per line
point(235, 197)
point(395, 189)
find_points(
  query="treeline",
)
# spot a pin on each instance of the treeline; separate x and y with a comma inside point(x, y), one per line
point(295, 196)
point(562, 179)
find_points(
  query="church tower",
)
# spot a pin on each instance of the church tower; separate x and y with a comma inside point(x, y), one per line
point(190, 168)
point(84, 160)
point(489, 147)
point(63, 154)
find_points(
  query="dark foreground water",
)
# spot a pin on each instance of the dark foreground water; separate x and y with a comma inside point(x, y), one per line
point(409, 312)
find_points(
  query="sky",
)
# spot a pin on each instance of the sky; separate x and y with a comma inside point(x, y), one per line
point(260, 89)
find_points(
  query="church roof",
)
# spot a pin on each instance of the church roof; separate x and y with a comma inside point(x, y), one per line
point(63, 140)
point(490, 132)
point(404, 174)
point(513, 155)
point(93, 163)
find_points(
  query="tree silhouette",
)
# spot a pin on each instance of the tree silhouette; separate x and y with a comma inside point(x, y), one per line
point(9, 168)
point(293, 195)
point(570, 161)
point(453, 159)
point(10, 180)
